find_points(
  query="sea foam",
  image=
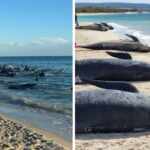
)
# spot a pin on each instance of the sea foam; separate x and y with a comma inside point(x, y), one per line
point(143, 38)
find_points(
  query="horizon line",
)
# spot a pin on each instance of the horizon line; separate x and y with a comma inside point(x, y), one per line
point(116, 2)
point(41, 56)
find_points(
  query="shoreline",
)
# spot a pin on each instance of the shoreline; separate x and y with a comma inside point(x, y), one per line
point(32, 106)
point(40, 119)
point(122, 30)
point(57, 141)
point(109, 13)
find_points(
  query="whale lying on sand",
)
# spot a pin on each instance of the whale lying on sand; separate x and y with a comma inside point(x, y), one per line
point(111, 111)
point(120, 46)
point(96, 26)
point(112, 70)
point(114, 85)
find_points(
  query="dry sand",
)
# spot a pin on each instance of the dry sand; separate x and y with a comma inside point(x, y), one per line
point(122, 141)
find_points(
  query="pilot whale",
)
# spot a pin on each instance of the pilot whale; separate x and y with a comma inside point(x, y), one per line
point(111, 111)
point(112, 70)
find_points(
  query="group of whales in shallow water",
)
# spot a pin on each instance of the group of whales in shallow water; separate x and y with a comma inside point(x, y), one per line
point(116, 106)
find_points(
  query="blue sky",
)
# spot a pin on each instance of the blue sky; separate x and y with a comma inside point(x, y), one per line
point(35, 27)
point(130, 1)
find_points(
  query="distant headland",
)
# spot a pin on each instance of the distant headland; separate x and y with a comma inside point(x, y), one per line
point(111, 7)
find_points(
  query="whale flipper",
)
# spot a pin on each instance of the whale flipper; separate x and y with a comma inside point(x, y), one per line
point(120, 55)
point(134, 38)
point(114, 85)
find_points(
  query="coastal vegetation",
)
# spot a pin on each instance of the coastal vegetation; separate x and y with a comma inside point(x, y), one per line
point(105, 10)
point(111, 7)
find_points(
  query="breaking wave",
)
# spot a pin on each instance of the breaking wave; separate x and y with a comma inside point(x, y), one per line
point(25, 102)
point(145, 39)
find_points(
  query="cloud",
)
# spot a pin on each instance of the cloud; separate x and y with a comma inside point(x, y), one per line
point(46, 40)
point(9, 44)
point(38, 42)
point(43, 46)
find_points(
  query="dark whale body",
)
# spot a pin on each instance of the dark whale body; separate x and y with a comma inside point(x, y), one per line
point(96, 27)
point(120, 46)
point(111, 111)
point(114, 85)
point(112, 70)
point(120, 55)
point(22, 86)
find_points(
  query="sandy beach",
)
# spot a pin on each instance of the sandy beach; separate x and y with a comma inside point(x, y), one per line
point(101, 13)
point(16, 135)
point(115, 141)
point(89, 37)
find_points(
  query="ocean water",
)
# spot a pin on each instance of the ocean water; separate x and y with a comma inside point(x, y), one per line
point(137, 24)
point(47, 106)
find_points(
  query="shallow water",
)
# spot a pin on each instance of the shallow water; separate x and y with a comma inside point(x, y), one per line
point(48, 105)
point(51, 122)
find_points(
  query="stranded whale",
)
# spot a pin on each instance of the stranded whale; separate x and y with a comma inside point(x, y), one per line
point(120, 46)
point(111, 111)
point(112, 70)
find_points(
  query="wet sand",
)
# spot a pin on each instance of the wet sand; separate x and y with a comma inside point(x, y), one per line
point(15, 135)
point(115, 141)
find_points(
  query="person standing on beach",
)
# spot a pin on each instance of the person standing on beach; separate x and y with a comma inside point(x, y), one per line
point(76, 20)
